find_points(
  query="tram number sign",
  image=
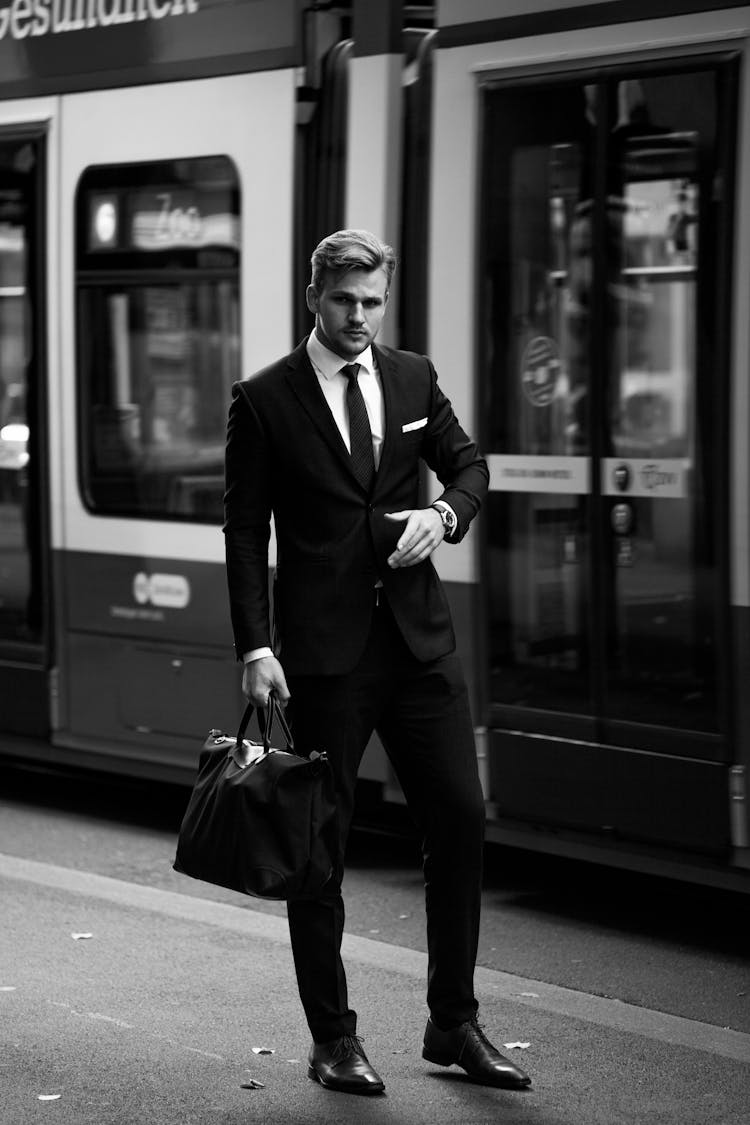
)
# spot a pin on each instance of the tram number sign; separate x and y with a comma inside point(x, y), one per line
point(177, 225)
point(163, 219)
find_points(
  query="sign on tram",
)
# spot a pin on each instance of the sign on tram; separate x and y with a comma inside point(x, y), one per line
point(57, 46)
point(519, 473)
point(643, 476)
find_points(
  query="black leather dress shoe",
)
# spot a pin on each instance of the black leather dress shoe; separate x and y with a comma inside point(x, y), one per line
point(467, 1046)
point(342, 1065)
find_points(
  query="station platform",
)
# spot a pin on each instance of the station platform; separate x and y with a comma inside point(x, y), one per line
point(122, 1003)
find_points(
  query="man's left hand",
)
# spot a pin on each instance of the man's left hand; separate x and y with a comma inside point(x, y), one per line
point(424, 532)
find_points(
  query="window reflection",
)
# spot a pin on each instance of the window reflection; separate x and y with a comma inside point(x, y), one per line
point(159, 335)
point(662, 608)
point(539, 270)
point(16, 610)
point(13, 351)
point(601, 213)
point(656, 320)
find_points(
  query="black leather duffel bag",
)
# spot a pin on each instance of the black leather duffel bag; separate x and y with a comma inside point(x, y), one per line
point(260, 821)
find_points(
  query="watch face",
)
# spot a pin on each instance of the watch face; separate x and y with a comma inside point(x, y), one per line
point(448, 519)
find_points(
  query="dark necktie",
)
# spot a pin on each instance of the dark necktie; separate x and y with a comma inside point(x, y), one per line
point(360, 434)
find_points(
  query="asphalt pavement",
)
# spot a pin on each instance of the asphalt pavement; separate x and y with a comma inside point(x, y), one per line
point(123, 1003)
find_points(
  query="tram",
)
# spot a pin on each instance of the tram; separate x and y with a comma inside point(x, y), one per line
point(567, 188)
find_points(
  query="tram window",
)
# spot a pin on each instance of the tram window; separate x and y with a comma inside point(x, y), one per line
point(158, 334)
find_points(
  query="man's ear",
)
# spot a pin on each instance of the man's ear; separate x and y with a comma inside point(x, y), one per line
point(311, 296)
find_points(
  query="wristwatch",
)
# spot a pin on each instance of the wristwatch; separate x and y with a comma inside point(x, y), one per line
point(447, 516)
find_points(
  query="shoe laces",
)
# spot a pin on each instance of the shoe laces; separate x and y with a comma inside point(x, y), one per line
point(479, 1029)
point(347, 1045)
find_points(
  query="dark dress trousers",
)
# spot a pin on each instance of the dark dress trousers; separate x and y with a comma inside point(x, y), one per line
point(354, 666)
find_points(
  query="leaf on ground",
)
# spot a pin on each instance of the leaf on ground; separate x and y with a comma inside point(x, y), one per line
point(520, 1046)
point(264, 1051)
point(48, 1097)
point(252, 1084)
point(80, 937)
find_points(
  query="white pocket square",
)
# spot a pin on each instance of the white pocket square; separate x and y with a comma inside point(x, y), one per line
point(408, 426)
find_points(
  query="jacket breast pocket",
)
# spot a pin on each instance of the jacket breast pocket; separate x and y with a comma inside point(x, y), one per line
point(412, 433)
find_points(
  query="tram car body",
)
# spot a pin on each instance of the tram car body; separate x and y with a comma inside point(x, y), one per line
point(567, 188)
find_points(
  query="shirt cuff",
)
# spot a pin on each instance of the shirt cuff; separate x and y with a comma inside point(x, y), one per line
point(256, 654)
point(446, 505)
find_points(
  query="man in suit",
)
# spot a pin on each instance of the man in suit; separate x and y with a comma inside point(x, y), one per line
point(328, 440)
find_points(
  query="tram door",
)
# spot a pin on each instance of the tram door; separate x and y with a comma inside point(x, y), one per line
point(23, 605)
point(604, 281)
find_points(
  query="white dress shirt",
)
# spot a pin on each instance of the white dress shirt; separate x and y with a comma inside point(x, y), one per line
point(327, 366)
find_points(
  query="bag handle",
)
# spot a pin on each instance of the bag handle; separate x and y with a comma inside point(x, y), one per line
point(265, 721)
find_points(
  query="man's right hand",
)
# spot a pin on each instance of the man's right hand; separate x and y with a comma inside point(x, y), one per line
point(262, 676)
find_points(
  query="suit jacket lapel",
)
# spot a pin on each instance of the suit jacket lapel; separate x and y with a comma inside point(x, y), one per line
point(388, 381)
point(304, 383)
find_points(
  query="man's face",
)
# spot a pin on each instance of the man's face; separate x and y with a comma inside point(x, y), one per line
point(349, 309)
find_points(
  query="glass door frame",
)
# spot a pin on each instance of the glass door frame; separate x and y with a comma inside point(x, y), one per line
point(599, 728)
point(25, 663)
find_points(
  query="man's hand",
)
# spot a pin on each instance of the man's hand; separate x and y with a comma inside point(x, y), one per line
point(261, 677)
point(424, 532)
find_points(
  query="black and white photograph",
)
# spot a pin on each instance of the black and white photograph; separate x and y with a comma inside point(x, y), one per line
point(374, 562)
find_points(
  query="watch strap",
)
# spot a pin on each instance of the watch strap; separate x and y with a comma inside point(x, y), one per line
point(447, 516)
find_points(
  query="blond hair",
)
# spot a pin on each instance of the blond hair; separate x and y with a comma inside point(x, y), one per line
point(351, 250)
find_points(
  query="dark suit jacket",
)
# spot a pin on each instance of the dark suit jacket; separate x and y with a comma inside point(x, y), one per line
point(285, 456)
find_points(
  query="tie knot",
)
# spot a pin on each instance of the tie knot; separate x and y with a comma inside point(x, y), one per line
point(351, 370)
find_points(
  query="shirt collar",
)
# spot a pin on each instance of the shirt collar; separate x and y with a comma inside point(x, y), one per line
point(329, 364)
